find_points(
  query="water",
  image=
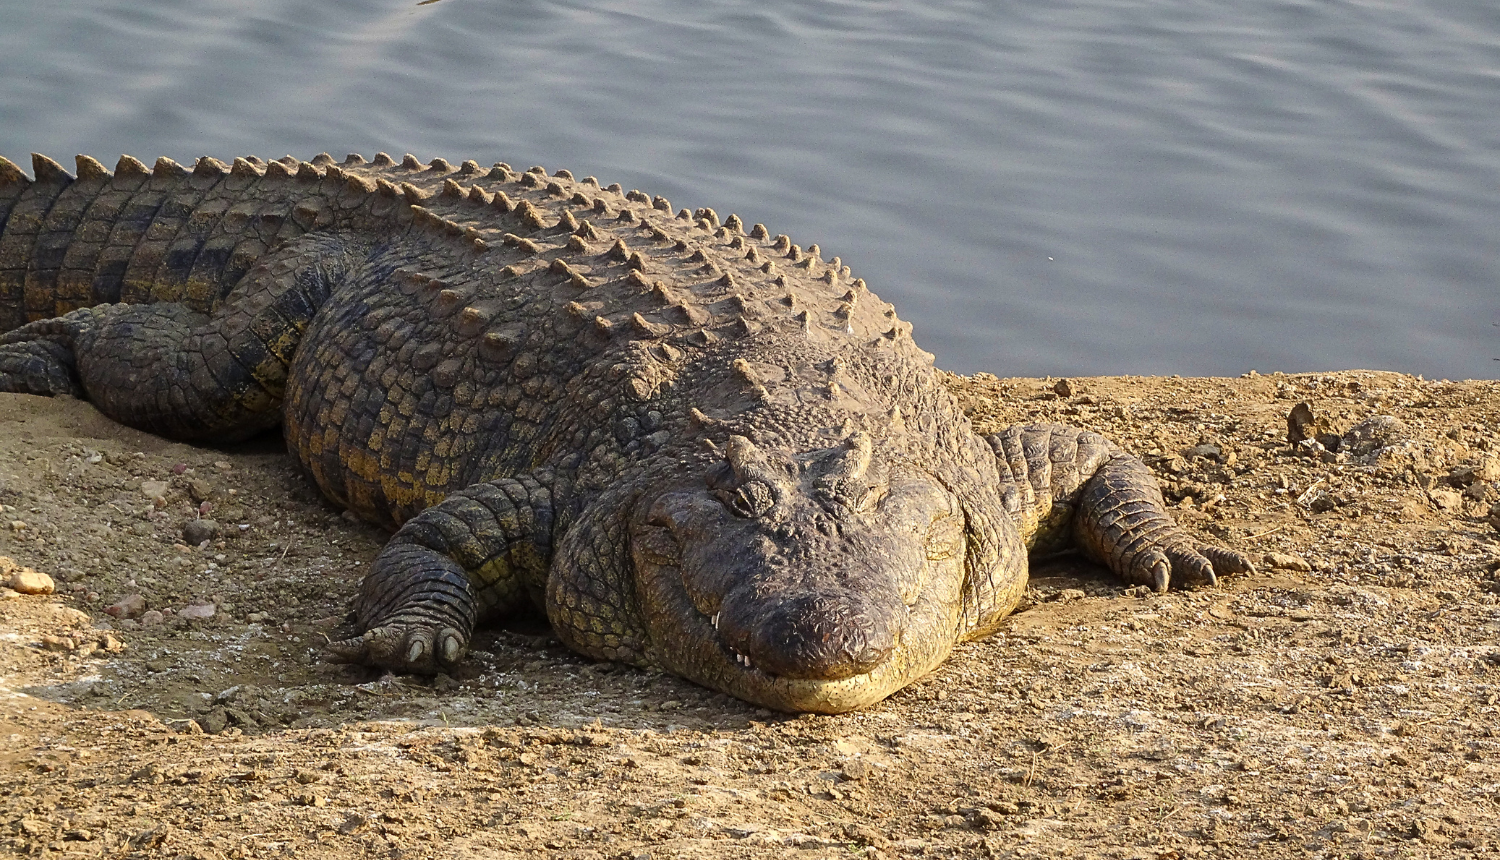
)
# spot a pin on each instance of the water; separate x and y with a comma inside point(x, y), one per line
point(1054, 187)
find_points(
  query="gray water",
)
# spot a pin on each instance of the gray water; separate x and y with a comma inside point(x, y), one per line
point(1051, 187)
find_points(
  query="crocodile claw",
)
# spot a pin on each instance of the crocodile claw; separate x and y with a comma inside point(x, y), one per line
point(1187, 565)
point(403, 647)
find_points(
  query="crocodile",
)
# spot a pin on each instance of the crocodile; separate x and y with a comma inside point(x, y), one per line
point(694, 445)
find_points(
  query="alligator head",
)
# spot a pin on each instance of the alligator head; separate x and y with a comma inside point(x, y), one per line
point(819, 580)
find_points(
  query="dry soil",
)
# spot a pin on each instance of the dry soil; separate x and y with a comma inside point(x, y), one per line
point(1340, 702)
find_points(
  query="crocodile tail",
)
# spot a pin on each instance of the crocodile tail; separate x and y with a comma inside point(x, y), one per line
point(24, 204)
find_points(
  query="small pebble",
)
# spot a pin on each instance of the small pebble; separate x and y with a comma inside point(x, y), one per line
point(129, 606)
point(197, 611)
point(195, 532)
point(28, 581)
point(151, 618)
point(1282, 561)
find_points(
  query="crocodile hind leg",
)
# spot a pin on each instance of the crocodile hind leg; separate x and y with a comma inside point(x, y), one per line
point(480, 552)
point(1066, 485)
point(169, 370)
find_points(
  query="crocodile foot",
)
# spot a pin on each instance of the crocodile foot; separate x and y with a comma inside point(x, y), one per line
point(417, 646)
point(1184, 563)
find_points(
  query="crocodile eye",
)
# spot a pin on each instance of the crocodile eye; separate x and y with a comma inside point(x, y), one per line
point(945, 538)
point(751, 499)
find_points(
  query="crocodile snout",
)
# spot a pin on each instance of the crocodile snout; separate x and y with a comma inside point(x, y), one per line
point(825, 636)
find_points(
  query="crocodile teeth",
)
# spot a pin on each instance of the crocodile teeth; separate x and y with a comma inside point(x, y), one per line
point(716, 620)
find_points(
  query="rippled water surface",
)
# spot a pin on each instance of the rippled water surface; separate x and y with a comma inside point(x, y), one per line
point(1052, 187)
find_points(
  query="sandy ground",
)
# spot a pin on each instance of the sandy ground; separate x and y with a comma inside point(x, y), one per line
point(1341, 702)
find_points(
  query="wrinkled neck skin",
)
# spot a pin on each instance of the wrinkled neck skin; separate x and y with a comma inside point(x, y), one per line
point(813, 559)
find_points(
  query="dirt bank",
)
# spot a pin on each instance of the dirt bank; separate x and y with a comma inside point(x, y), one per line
point(1341, 702)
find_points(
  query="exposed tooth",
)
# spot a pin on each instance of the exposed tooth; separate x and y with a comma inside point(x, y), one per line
point(716, 620)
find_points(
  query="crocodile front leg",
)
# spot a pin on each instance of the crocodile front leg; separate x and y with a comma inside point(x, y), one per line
point(481, 552)
point(1062, 483)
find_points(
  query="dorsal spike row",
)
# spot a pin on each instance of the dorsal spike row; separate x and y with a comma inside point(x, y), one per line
point(452, 189)
point(636, 196)
point(383, 159)
point(636, 262)
point(615, 187)
point(353, 159)
point(564, 174)
point(698, 256)
point(752, 256)
point(529, 214)
point(794, 254)
point(814, 251)
point(90, 169)
point(829, 277)
point(502, 202)
point(410, 162)
point(10, 174)
point(760, 232)
point(322, 159)
point(619, 250)
point(244, 168)
point(480, 196)
point(537, 169)
point(599, 207)
point(386, 188)
point(636, 279)
point(646, 328)
point(737, 242)
point(578, 244)
point(661, 203)
point(556, 190)
point(589, 180)
point(708, 215)
point(805, 262)
point(768, 267)
point(567, 221)
point(449, 299)
point(359, 184)
point(783, 243)
point(625, 217)
point(439, 166)
point(469, 168)
point(733, 224)
point(169, 169)
point(684, 215)
point(746, 373)
point(498, 174)
point(588, 231)
point(413, 194)
point(274, 170)
point(131, 167)
point(306, 172)
point(727, 280)
point(521, 243)
point(579, 199)
point(334, 172)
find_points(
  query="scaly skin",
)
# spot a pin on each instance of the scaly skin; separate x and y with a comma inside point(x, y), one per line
point(694, 447)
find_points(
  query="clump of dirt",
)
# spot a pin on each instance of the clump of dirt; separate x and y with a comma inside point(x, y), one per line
point(170, 699)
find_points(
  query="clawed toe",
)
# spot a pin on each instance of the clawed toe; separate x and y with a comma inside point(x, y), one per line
point(413, 649)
